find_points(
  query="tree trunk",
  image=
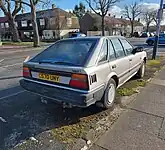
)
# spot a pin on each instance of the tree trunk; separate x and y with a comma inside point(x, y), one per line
point(147, 27)
point(13, 28)
point(103, 25)
point(36, 39)
point(132, 28)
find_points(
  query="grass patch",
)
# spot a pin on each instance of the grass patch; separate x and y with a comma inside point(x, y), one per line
point(126, 91)
point(19, 43)
point(153, 62)
point(129, 88)
point(69, 133)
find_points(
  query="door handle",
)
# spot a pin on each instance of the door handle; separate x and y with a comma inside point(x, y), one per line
point(114, 66)
point(130, 59)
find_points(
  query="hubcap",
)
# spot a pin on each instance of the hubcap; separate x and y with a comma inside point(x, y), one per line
point(111, 94)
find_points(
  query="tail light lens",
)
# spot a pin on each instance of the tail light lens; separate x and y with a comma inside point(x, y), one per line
point(26, 72)
point(79, 81)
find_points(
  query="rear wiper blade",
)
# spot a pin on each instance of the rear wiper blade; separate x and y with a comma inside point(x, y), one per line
point(57, 62)
point(64, 63)
point(46, 61)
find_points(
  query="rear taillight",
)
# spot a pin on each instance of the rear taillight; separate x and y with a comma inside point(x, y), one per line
point(79, 81)
point(26, 72)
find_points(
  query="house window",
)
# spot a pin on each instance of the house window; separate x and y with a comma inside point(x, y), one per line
point(24, 23)
point(42, 22)
point(69, 22)
point(52, 21)
point(2, 25)
point(7, 25)
point(16, 24)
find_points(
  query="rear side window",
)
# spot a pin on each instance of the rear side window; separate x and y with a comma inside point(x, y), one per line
point(104, 52)
point(118, 48)
point(127, 47)
point(68, 52)
point(112, 55)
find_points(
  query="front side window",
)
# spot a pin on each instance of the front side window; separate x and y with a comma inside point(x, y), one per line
point(118, 48)
point(127, 47)
point(68, 52)
point(104, 52)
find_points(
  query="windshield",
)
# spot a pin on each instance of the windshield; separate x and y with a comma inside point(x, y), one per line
point(67, 52)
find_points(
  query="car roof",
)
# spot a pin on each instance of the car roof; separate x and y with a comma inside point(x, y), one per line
point(93, 37)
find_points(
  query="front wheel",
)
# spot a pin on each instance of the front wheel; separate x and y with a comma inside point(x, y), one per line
point(150, 43)
point(109, 95)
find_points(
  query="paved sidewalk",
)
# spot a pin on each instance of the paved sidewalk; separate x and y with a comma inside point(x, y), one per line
point(142, 126)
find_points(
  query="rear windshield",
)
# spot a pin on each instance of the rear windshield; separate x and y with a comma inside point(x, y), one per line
point(67, 52)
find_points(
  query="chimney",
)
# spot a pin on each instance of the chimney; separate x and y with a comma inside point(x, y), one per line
point(53, 6)
point(138, 19)
point(121, 17)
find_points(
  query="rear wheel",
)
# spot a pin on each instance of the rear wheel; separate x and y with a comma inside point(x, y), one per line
point(150, 43)
point(141, 71)
point(109, 95)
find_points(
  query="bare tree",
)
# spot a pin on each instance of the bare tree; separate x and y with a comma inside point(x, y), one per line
point(148, 18)
point(155, 17)
point(131, 12)
point(101, 7)
point(32, 4)
point(7, 7)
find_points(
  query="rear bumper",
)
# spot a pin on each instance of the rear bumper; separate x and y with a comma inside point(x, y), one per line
point(63, 95)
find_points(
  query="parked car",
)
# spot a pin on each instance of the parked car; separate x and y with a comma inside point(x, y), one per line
point(83, 71)
point(73, 35)
point(152, 34)
point(136, 34)
point(145, 34)
point(161, 41)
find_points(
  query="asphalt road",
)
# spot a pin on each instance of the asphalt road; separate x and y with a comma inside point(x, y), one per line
point(22, 115)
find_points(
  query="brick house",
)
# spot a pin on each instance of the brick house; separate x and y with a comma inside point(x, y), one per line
point(52, 24)
point(114, 26)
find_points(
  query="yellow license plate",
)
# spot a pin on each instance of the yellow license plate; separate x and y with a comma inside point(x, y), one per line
point(49, 77)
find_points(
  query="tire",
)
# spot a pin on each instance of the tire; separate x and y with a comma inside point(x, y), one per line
point(141, 71)
point(150, 43)
point(109, 95)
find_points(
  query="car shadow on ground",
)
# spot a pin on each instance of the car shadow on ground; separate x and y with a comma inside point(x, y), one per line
point(26, 116)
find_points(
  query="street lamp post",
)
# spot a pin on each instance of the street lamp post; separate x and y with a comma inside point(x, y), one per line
point(159, 17)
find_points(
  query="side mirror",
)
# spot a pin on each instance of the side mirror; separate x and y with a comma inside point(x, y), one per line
point(137, 49)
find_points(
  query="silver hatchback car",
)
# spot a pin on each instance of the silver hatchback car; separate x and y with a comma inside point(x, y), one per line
point(83, 71)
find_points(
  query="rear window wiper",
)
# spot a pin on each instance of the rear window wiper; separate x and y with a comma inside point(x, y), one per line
point(46, 61)
point(64, 63)
point(57, 62)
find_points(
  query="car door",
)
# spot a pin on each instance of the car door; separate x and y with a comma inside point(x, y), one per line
point(119, 65)
point(162, 39)
point(134, 59)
